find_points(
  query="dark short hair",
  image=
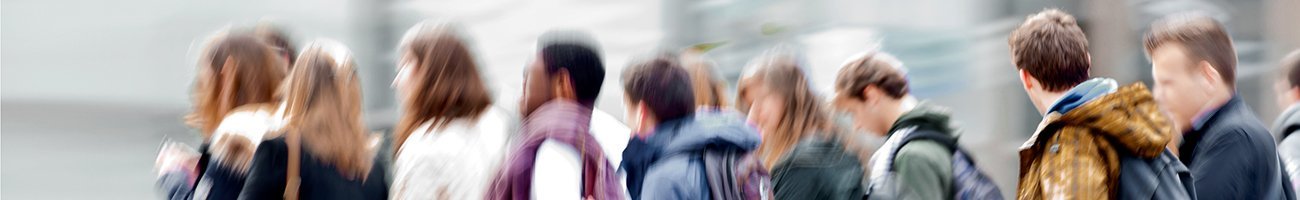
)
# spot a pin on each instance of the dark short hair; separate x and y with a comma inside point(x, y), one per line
point(1291, 68)
point(1202, 38)
point(586, 72)
point(1052, 48)
point(663, 85)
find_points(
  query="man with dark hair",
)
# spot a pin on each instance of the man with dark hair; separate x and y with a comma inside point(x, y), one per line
point(1096, 140)
point(664, 160)
point(1288, 123)
point(1228, 150)
point(557, 155)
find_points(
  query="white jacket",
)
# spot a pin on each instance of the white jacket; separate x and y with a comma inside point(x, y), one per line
point(454, 162)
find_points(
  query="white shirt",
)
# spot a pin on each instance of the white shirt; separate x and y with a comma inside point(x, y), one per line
point(557, 169)
point(457, 161)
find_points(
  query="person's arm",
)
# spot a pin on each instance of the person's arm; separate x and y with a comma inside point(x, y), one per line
point(1223, 170)
point(557, 172)
point(924, 171)
point(266, 177)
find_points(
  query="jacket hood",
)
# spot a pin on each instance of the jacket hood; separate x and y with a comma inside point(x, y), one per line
point(1288, 122)
point(707, 130)
point(926, 116)
point(1083, 93)
point(1129, 116)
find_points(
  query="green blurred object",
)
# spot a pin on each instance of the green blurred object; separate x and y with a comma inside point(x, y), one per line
point(705, 47)
point(769, 29)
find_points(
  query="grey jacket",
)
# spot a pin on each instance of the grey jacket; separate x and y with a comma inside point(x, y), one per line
point(1286, 126)
point(679, 172)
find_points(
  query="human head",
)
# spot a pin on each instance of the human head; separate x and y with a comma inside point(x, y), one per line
point(868, 87)
point(1193, 65)
point(1050, 52)
point(1287, 85)
point(323, 104)
point(279, 40)
point(438, 79)
point(235, 69)
point(709, 90)
point(657, 90)
point(568, 67)
point(781, 103)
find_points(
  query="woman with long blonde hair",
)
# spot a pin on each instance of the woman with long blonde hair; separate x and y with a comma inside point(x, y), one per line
point(323, 151)
point(450, 138)
point(807, 160)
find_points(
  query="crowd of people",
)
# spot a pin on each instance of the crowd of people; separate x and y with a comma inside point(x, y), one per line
point(279, 122)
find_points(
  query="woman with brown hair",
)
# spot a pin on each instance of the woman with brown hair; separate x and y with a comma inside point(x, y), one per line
point(236, 82)
point(709, 90)
point(806, 159)
point(324, 151)
point(450, 138)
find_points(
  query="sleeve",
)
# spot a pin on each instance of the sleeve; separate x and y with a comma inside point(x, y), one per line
point(1222, 170)
point(266, 177)
point(924, 171)
point(668, 182)
point(557, 173)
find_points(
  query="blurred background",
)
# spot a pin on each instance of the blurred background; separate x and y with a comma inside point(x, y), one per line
point(91, 88)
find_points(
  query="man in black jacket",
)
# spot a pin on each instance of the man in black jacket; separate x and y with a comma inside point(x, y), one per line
point(1229, 151)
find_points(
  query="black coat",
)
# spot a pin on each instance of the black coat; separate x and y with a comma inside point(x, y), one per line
point(320, 180)
point(1232, 156)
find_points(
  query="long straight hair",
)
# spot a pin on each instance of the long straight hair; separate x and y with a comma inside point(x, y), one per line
point(323, 105)
point(803, 114)
point(236, 69)
point(445, 81)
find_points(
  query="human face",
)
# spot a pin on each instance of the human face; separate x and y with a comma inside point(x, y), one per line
point(1286, 95)
point(536, 87)
point(766, 109)
point(1181, 89)
point(401, 83)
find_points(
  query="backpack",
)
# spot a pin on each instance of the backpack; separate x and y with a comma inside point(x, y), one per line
point(968, 182)
point(732, 174)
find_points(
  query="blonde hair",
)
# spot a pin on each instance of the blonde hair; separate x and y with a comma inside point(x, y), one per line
point(709, 90)
point(803, 114)
point(236, 69)
point(323, 105)
point(446, 80)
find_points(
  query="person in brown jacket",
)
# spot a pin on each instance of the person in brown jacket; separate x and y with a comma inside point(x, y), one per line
point(1096, 140)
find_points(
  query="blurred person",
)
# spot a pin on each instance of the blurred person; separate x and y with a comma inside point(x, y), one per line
point(450, 138)
point(921, 155)
point(323, 151)
point(1287, 87)
point(673, 153)
point(709, 90)
point(806, 158)
point(235, 88)
point(1096, 140)
point(275, 36)
point(558, 154)
point(1229, 151)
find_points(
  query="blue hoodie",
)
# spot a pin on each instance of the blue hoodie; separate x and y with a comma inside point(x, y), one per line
point(670, 162)
point(1083, 93)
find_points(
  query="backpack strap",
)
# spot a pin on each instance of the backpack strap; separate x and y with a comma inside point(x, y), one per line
point(293, 179)
point(922, 134)
point(720, 174)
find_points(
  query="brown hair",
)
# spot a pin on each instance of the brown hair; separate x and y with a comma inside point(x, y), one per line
point(803, 114)
point(1052, 48)
point(663, 85)
point(1291, 68)
point(446, 81)
point(1201, 37)
point(236, 69)
point(872, 68)
point(278, 39)
point(323, 105)
point(709, 90)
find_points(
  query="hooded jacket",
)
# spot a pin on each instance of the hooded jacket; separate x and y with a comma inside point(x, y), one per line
point(923, 167)
point(677, 172)
point(1287, 125)
point(1101, 143)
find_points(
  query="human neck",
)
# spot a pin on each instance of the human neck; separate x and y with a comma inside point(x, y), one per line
point(1045, 101)
point(894, 109)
